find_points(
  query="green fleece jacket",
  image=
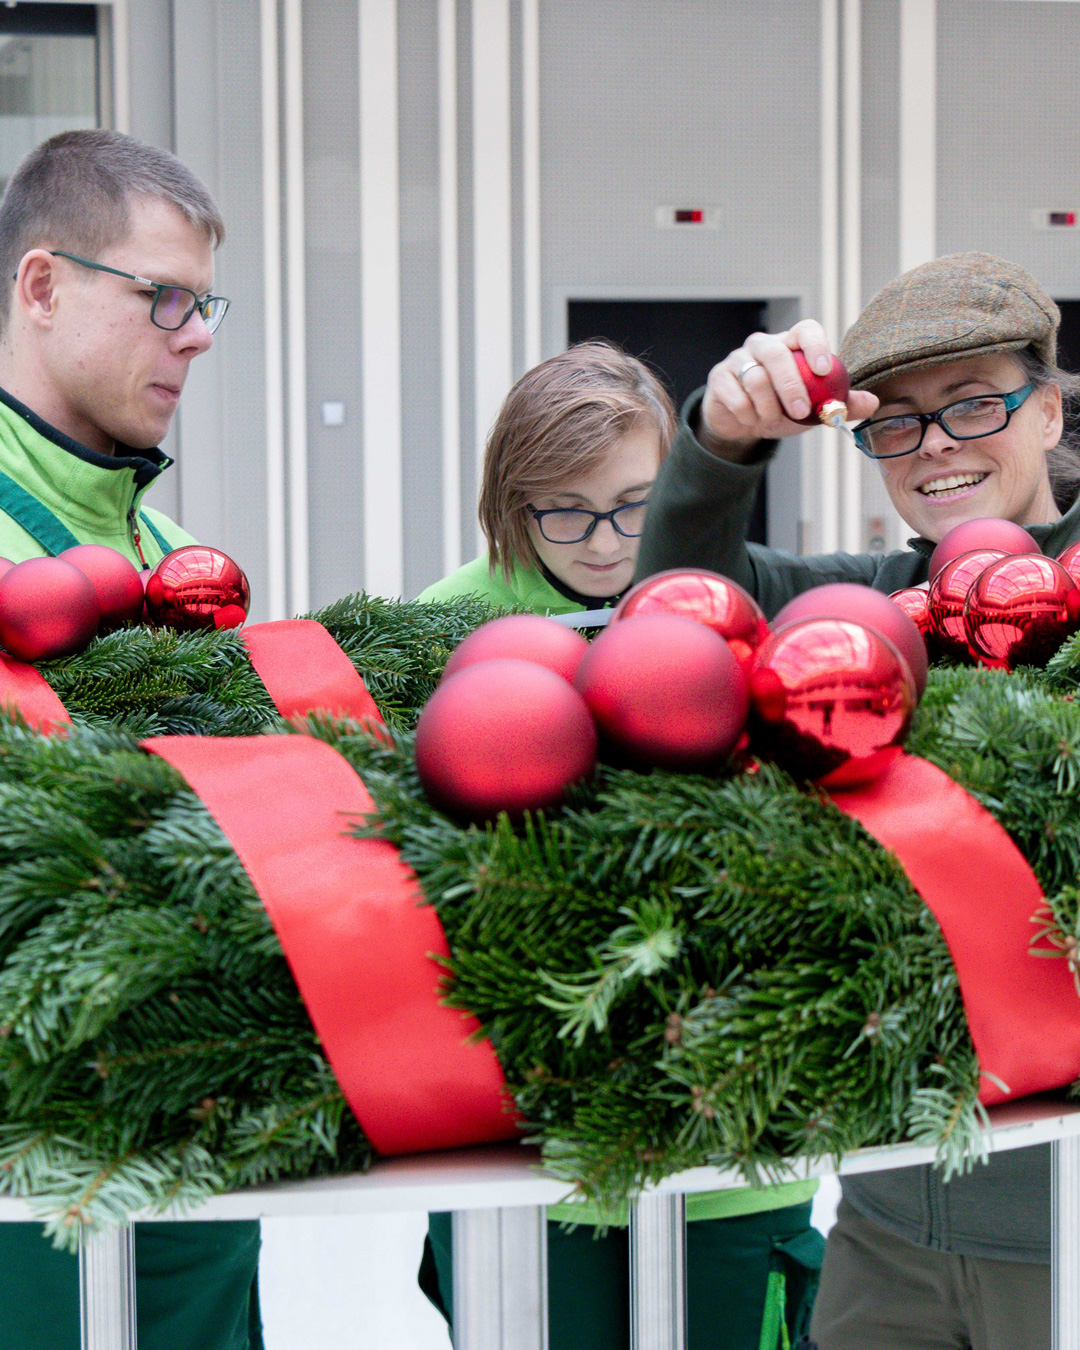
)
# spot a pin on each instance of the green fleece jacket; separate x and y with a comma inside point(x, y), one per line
point(48, 480)
point(698, 514)
point(196, 1281)
point(527, 588)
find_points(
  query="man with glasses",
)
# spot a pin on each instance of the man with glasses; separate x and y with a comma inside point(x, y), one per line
point(958, 401)
point(107, 266)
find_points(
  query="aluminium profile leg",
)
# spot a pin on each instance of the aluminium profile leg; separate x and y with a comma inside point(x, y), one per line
point(500, 1279)
point(1066, 1244)
point(107, 1289)
point(658, 1273)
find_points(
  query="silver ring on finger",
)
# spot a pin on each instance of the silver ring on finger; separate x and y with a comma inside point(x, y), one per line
point(750, 365)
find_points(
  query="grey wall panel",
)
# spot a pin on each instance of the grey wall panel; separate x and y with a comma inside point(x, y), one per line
point(217, 112)
point(880, 143)
point(471, 538)
point(332, 205)
point(1008, 109)
point(687, 102)
point(421, 429)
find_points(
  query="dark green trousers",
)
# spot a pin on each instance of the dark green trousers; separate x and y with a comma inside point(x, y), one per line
point(729, 1263)
point(196, 1287)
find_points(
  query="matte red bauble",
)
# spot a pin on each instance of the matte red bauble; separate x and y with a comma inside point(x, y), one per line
point(521, 637)
point(828, 393)
point(1070, 560)
point(503, 736)
point(197, 587)
point(48, 609)
point(5, 566)
point(986, 532)
point(915, 602)
point(1020, 610)
point(707, 598)
point(666, 692)
point(862, 604)
point(115, 580)
point(948, 639)
point(831, 701)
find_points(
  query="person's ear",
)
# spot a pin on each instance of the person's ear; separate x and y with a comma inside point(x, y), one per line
point(1054, 422)
point(35, 287)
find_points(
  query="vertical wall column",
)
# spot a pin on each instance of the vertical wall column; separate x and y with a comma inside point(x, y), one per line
point(296, 295)
point(107, 1289)
point(493, 298)
point(449, 288)
point(500, 1279)
point(827, 451)
point(380, 280)
point(658, 1272)
point(918, 132)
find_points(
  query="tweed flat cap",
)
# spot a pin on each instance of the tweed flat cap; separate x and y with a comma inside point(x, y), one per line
point(964, 304)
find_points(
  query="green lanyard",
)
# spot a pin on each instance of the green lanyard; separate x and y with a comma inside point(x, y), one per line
point(40, 523)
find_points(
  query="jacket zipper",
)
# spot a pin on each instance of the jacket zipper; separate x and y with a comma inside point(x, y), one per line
point(136, 537)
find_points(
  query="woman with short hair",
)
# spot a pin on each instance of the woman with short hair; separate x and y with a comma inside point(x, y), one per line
point(954, 375)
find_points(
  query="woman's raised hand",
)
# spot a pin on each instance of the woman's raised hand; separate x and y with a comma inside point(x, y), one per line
point(756, 392)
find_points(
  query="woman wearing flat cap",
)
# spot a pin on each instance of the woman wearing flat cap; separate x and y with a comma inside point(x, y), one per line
point(955, 382)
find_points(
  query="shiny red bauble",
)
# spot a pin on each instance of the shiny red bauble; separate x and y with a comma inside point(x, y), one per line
point(1070, 560)
point(986, 532)
point(48, 609)
point(115, 580)
point(948, 640)
point(666, 692)
point(197, 587)
point(828, 392)
point(862, 604)
point(706, 597)
point(521, 637)
point(915, 602)
point(831, 701)
point(1020, 610)
point(503, 736)
point(5, 566)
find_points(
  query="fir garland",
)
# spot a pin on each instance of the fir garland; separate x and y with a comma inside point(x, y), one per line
point(674, 970)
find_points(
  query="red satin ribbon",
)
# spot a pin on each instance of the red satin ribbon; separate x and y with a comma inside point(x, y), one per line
point(26, 691)
point(1023, 1012)
point(305, 670)
point(359, 945)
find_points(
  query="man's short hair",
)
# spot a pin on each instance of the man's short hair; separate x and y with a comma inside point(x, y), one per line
point(74, 191)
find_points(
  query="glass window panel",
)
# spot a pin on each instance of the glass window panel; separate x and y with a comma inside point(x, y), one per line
point(48, 84)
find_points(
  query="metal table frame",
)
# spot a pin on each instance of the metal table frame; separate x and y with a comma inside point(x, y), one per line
point(498, 1195)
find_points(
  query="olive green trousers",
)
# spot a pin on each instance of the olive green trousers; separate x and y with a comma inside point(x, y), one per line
point(196, 1288)
point(750, 1281)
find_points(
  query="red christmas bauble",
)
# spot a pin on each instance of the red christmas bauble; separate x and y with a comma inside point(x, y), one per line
point(521, 637)
point(115, 580)
point(986, 532)
point(5, 566)
point(915, 602)
point(828, 392)
point(707, 598)
point(1020, 610)
point(503, 736)
point(666, 692)
point(862, 604)
point(1070, 560)
point(197, 587)
point(831, 701)
point(48, 609)
point(948, 639)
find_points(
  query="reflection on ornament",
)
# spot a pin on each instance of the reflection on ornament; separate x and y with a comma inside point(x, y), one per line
point(707, 598)
point(862, 604)
point(1020, 610)
point(503, 736)
point(831, 701)
point(915, 602)
point(1070, 560)
point(48, 609)
point(986, 532)
point(945, 600)
point(521, 637)
point(828, 392)
point(197, 587)
point(666, 693)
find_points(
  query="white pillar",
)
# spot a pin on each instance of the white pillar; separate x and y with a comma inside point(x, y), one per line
point(107, 1289)
point(1066, 1244)
point(658, 1273)
point(500, 1279)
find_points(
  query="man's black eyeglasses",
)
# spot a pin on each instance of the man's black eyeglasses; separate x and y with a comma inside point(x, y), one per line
point(966, 420)
point(571, 525)
point(172, 305)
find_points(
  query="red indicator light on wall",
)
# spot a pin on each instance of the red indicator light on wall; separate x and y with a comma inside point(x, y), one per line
point(1067, 218)
point(689, 216)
